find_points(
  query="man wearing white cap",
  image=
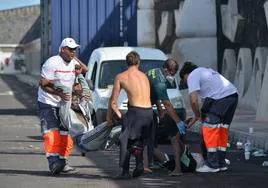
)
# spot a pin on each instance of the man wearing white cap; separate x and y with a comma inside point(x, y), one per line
point(58, 69)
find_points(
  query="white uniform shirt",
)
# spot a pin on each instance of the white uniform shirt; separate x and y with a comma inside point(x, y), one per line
point(209, 83)
point(56, 69)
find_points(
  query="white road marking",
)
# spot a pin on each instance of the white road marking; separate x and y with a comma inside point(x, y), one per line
point(7, 93)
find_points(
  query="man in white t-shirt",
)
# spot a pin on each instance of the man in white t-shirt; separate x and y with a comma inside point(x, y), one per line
point(220, 101)
point(57, 70)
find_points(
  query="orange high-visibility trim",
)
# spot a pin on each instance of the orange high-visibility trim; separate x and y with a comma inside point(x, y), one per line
point(211, 136)
point(52, 141)
point(223, 137)
point(215, 137)
point(66, 145)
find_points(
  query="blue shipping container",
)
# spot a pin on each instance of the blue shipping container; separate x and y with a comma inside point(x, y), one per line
point(93, 23)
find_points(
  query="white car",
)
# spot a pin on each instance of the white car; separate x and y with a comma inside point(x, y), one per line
point(106, 62)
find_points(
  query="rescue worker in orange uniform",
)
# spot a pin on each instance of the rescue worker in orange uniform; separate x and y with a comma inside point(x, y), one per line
point(220, 101)
point(58, 69)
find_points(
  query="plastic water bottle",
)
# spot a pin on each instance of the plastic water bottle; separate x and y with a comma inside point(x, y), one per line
point(247, 149)
point(248, 146)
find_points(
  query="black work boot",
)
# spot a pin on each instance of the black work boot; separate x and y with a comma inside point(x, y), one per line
point(139, 170)
point(55, 168)
point(123, 176)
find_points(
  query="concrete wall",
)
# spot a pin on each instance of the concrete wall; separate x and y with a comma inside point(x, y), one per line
point(262, 106)
point(234, 42)
point(187, 30)
point(146, 23)
point(248, 71)
point(201, 51)
point(15, 23)
point(18, 27)
point(197, 19)
point(243, 37)
point(145, 27)
point(32, 53)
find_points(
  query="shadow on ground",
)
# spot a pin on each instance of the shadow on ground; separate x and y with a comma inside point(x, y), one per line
point(24, 93)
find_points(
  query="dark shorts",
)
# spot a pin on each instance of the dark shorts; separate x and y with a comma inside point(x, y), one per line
point(49, 117)
point(138, 121)
point(221, 110)
point(170, 126)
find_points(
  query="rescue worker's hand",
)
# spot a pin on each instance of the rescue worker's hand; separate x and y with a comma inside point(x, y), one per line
point(87, 97)
point(78, 69)
point(193, 121)
point(65, 96)
point(181, 126)
point(118, 114)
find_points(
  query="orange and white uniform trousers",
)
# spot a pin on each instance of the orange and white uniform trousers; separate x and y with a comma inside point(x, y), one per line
point(216, 127)
point(216, 139)
point(58, 142)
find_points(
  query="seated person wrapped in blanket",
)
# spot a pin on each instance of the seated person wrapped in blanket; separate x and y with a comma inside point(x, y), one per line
point(76, 117)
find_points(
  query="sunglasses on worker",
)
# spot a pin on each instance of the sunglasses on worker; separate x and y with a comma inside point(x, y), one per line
point(70, 49)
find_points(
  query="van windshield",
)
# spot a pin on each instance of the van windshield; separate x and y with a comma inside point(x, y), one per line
point(109, 70)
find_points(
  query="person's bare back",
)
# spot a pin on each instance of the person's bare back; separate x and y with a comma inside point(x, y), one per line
point(137, 87)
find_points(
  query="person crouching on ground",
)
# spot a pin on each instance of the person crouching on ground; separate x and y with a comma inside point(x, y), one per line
point(161, 79)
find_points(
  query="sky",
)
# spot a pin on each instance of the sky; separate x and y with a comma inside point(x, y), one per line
point(9, 4)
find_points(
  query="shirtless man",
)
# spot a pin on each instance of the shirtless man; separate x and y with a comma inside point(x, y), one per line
point(138, 119)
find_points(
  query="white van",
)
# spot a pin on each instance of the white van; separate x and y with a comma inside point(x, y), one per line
point(105, 63)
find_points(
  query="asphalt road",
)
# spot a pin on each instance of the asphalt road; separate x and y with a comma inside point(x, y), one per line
point(23, 164)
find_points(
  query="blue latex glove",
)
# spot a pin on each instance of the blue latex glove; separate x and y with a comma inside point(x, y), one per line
point(181, 126)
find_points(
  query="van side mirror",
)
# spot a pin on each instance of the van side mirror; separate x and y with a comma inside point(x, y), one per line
point(90, 84)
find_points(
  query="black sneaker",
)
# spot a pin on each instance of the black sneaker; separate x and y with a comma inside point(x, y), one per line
point(55, 168)
point(170, 165)
point(154, 166)
point(122, 176)
point(137, 172)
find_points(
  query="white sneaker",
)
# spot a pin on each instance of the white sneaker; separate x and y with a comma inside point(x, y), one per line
point(205, 168)
point(227, 161)
point(224, 168)
point(67, 168)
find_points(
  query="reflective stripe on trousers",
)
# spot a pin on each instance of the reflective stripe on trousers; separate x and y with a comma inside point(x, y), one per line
point(57, 143)
point(215, 136)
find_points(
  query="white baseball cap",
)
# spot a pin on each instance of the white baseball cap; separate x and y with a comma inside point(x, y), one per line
point(69, 42)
